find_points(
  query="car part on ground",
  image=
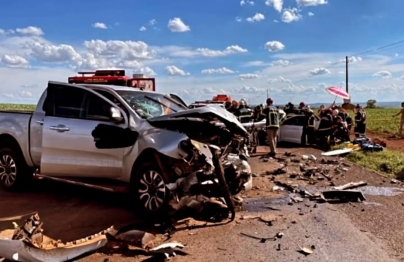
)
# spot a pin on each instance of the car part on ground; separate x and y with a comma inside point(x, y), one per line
point(28, 243)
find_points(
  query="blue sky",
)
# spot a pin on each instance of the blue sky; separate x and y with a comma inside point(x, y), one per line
point(196, 49)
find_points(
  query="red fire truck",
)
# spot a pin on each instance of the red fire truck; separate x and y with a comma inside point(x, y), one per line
point(114, 77)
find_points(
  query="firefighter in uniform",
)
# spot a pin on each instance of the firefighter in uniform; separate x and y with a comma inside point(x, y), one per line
point(360, 122)
point(308, 129)
point(325, 128)
point(272, 124)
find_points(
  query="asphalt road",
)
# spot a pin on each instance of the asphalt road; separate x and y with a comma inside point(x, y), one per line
point(336, 231)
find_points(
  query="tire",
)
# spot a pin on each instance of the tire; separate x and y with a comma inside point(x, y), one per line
point(149, 188)
point(14, 171)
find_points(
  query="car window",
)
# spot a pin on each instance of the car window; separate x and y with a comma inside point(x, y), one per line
point(113, 99)
point(300, 121)
point(67, 101)
point(96, 108)
point(295, 121)
point(289, 121)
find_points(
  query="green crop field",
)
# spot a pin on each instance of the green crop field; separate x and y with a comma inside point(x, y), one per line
point(17, 107)
point(382, 120)
point(378, 120)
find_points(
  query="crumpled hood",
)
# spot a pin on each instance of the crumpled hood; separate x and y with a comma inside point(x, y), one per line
point(210, 113)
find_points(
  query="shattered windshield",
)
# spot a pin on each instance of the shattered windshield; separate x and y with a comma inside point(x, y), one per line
point(149, 105)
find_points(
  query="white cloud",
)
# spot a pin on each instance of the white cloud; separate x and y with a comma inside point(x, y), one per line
point(276, 21)
point(248, 76)
point(153, 22)
point(177, 25)
point(30, 30)
point(274, 46)
point(311, 2)
point(173, 70)
point(239, 19)
point(383, 74)
point(277, 4)
point(320, 71)
point(126, 50)
point(100, 25)
point(281, 63)
point(14, 61)
point(279, 79)
point(291, 15)
point(25, 94)
point(246, 2)
point(53, 53)
point(310, 14)
point(143, 28)
point(351, 59)
point(256, 18)
point(233, 49)
point(222, 70)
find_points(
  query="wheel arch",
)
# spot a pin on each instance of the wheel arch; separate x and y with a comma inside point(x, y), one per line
point(148, 155)
point(7, 140)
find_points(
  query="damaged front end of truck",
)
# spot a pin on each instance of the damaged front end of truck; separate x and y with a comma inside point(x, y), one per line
point(204, 181)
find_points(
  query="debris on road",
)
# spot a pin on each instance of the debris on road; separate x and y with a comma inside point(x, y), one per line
point(394, 181)
point(343, 196)
point(168, 249)
point(28, 243)
point(351, 185)
point(306, 250)
point(263, 239)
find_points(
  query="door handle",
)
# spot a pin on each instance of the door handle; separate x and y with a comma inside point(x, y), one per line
point(40, 122)
point(59, 128)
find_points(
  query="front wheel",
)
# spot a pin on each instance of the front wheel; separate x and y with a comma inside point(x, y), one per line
point(149, 188)
point(14, 171)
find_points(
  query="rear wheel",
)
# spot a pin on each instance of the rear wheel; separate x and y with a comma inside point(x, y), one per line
point(14, 171)
point(149, 188)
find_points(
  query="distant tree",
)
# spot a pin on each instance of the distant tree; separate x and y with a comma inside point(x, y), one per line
point(371, 103)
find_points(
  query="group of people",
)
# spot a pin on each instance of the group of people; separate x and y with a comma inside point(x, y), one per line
point(335, 123)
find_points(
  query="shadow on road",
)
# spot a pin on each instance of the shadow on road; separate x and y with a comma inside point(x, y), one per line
point(68, 212)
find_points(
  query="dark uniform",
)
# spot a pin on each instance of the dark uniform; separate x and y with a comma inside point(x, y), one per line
point(272, 125)
point(360, 122)
point(244, 115)
point(309, 129)
point(325, 127)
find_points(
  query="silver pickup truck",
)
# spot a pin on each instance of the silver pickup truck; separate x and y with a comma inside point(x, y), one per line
point(113, 138)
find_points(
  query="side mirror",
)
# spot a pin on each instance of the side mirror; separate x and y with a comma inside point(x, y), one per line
point(116, 115)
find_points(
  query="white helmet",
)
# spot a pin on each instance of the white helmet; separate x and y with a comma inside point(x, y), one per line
point(335, 112)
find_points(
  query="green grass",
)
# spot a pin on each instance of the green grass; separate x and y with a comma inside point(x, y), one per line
point(388, 161)
point(17, 107)
point(382, 120)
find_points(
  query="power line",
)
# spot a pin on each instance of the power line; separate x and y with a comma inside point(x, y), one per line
point(378, 49)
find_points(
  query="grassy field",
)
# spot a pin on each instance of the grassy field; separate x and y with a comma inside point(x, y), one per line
point(388, 161)
point(16, 107)
point(378, 120)
point(382, 120)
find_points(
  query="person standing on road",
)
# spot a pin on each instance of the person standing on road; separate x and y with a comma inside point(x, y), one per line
point(325, 128)
point(400, 129)
point(272, 124)
point(308, 132)
point(360, 122)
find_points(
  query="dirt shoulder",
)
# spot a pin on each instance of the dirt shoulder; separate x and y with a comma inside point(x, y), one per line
point(368, 231)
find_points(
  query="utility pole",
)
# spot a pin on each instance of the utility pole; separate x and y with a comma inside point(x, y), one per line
point(346, 73)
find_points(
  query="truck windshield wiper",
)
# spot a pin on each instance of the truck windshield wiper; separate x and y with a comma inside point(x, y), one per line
point(175, 102)
point(155, 100)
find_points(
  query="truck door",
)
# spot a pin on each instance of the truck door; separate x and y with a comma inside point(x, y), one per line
point(68, 148)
